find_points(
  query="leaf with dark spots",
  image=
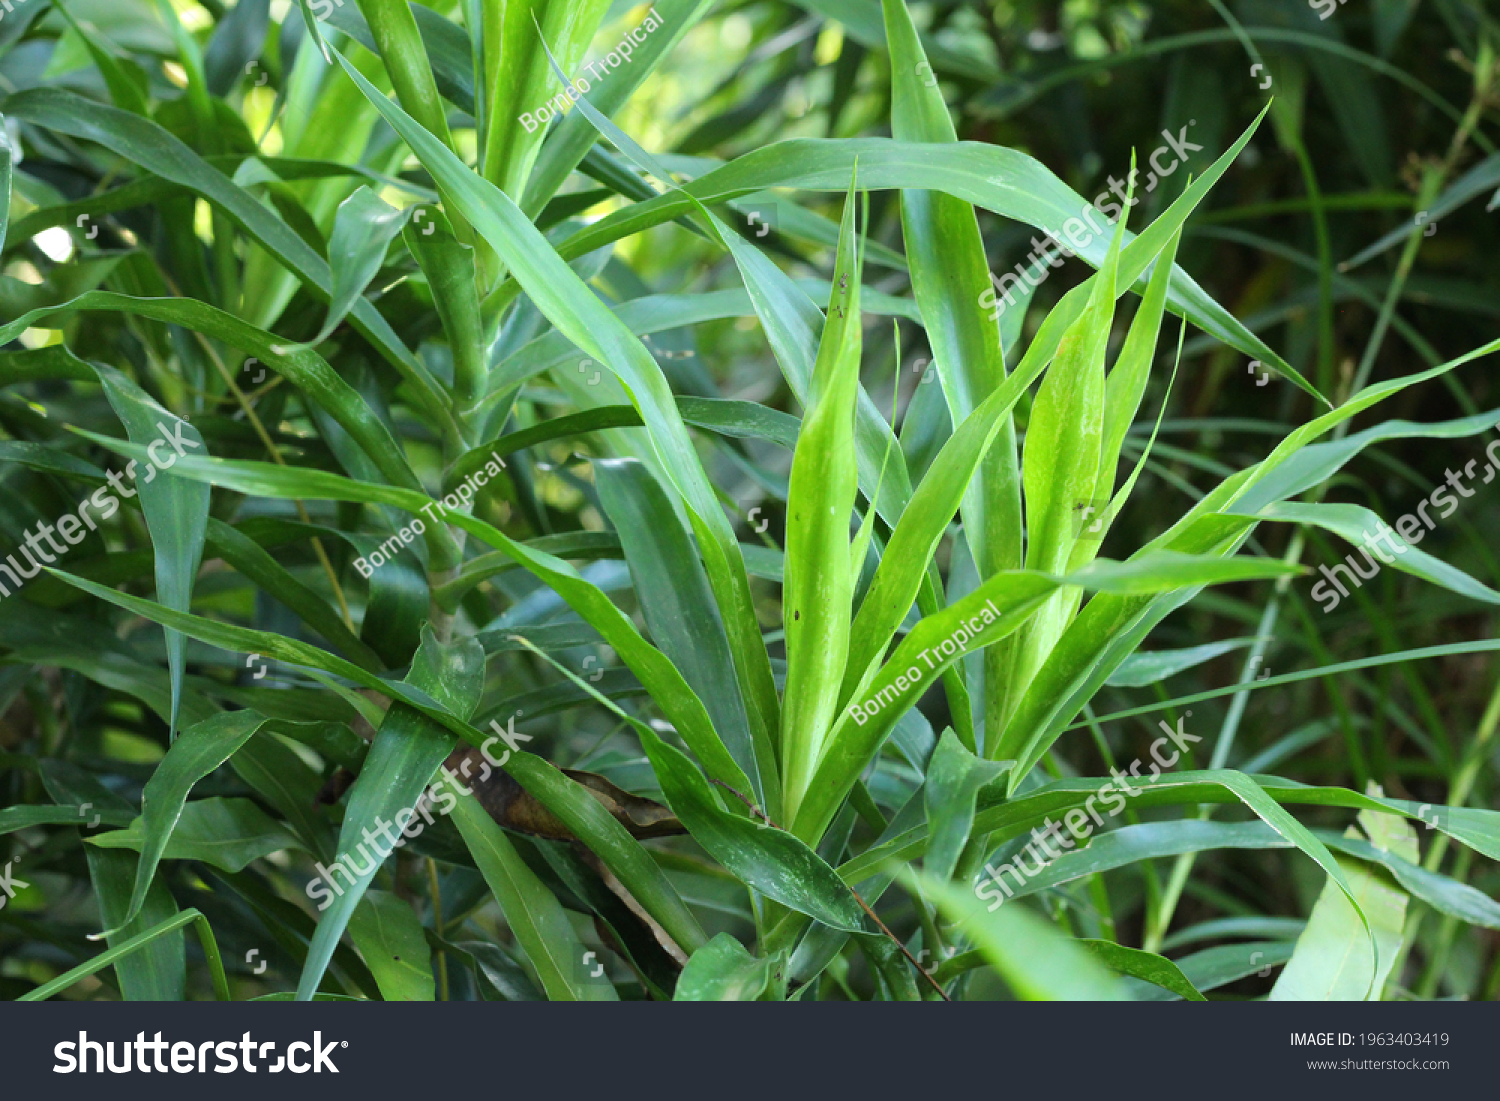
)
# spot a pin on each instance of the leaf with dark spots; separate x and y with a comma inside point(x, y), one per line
point(511, 806)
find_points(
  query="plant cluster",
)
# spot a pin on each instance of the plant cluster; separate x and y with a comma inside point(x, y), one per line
point(452, 551)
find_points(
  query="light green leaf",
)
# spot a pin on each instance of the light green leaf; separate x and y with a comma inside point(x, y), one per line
point(1111, 627)
point(394, 945)
point(818, 593)
point(1330, 962)
point(1035, 958)
point(1361, 527)
point(950, 276)
point(722, 971)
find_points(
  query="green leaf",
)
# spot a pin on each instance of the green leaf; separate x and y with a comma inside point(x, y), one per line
point(1443, 894)
point(161, 933)
point(568, 303)
point(571, 138)
point(1269, 811)
point(518, 81)
point(201, 749)
point(1157, 571)
point(1126, 384)
point(993, 611)
point(923, 523)
point(1329, 963)
point(452, 277)
point(362, 233)
point(303, 367)
point(722, 971)
point(1155, 666)
point(1130, 845)
point(176, 509)
point(818, 593)
point(254, 563)
point(156, 971)
point(1311, 464)
point(1001, 180)
point(764, 858)
point(1111, 627)
point(395, 32)
point(406, 753)
point(5, 173)
point(1361, 527)
point(954, 777)
point(1148, 966)
point(1036, 959)
point(949, 277)
point(501, 977)
point(1011, 817)
point(227, 833)
point(534, 915)
point(990, 613)
point(1061, 458)
point(738, 419)
point(677, 605)
point(1124, 847)
point(125, 79)
point(25, 816)
point(579, 811)
point(392, 941)
point(1216, 967)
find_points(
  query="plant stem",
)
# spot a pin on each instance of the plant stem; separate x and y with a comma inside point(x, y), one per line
point(436, 891)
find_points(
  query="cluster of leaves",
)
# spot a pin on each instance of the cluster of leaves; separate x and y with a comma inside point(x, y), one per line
point(524, 476)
